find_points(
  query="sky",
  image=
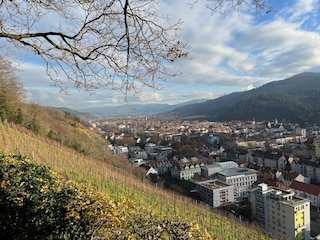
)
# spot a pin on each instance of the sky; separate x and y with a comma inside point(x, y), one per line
point(230, 52)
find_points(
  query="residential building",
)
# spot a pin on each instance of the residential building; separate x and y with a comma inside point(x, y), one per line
point(246, 143)
point(280, 213)
point(162, 152)
point(184, 168)
point(288, 177)
point(308, 167)
point(120, 149)
point(265, 158)
point(284, 163)
point(161, 166)
point(172, 137)
point(149, 147)
point(137, 152)
point(301, 132)
point(157, 152)
point(316, 143)
point(281, 140)
point(215, 193)
point(308, 191)
point(242, 178)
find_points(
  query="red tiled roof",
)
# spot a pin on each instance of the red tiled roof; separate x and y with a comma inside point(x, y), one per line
point(306, 187)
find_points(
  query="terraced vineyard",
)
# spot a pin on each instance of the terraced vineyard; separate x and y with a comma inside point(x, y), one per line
point(118, 184)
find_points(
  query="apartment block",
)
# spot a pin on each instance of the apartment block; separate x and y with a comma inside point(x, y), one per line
point(241, 178)
point(215, 192)
point(281, 213)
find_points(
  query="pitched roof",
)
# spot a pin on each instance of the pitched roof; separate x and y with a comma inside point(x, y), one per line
point(151, 171)
point(185, 162)
point(305, 187)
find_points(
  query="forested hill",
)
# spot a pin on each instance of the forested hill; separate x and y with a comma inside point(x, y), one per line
point(294, 99)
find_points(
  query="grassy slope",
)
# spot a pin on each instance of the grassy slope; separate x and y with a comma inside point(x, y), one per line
point(118, 184)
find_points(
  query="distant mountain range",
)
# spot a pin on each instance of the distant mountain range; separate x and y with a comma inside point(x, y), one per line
point(295, 99)
point(136, 109)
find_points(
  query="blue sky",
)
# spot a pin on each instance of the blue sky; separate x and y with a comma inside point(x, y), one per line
point(235, 51)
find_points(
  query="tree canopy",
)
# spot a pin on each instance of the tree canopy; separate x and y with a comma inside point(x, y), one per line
point(11, 93)
point(122, 45)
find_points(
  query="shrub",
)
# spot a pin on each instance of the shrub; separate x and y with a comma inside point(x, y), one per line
point(34, 202)
point(37, 203)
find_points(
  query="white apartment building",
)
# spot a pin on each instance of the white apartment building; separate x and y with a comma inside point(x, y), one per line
point(215, 192)
point(185, 169)
point(280, 213)
point(241, 178)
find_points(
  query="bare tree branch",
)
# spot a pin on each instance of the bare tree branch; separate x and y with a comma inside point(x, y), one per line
point(117, 44)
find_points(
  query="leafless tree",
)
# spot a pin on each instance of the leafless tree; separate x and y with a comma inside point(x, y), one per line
point(118, 44)
point(122, 44)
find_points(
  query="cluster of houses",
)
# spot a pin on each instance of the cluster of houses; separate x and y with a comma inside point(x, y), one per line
point(282, 189)
point(283, 169)
point(288, 189)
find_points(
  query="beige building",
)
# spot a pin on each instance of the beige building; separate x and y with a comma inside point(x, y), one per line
point(280, 213)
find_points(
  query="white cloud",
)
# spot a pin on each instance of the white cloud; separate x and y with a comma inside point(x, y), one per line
point(231, 52)
point(33, 75)
point(275, 48)
point(303, 8)
point(151, 97)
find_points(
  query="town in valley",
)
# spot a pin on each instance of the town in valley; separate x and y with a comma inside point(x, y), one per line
point(265, 172)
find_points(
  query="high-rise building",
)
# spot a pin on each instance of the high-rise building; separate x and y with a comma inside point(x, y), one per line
point(280, 213)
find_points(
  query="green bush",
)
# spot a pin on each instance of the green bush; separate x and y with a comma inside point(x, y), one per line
point(34, 203)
